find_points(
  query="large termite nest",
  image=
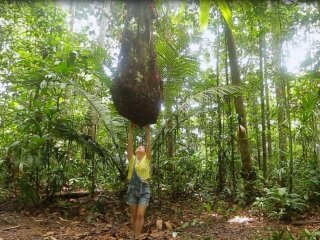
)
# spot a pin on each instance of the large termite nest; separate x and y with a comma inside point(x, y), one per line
point(137, 87)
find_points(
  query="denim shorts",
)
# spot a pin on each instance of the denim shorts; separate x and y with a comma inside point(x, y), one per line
point(138, 191)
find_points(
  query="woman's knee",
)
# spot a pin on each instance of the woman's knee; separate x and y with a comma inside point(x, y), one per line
point(133, 212)
point(140, 215)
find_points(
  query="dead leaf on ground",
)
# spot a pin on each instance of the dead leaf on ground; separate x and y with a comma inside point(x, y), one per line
point(159, 224)
point(82, 234)
point(50, 238)
point(157, 234)
point(62, 219)
point(48, 234)
point(168, 225)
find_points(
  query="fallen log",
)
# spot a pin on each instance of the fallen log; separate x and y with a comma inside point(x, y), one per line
point(77, 194)
point(300, 223)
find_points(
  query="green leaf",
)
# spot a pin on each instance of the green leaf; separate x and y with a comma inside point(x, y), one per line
point(16, 143)
point(194, 222)
point(208, 207)
point(36, 139)
point(204, 13)
point(63, 68)
point(226, 12)
point(185, 225)
point(282, 191)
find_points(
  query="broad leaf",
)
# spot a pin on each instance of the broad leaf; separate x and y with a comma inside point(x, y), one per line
point(226, 12)
point(204, 13)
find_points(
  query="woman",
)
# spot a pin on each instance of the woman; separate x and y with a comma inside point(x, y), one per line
point(138, 175)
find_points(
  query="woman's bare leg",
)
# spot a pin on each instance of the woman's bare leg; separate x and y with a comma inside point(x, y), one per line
point(133, 216)
point(141, 209)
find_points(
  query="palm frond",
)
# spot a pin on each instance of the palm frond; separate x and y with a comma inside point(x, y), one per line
point(110, 122)
point(202, 96)
point(101, 108)
point(64, 130)
point(226, 12)
point(175, 65)
point(204, 13)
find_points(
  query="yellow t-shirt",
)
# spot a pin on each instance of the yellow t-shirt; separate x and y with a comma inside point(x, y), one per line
point(142, 167)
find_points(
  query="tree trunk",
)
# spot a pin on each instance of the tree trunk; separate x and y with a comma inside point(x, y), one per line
point(268, 118)
point(73, 14)
point(231, 130)
point(263, 113)
point(211, 139)
point(104, 23)
point(92, 114)
point(248, 172)
point(280, 99)
point(258, 142)
point(317, 129)
point(221, 164)
point(89, 155)
point(317, 141)
point(170, 139)
point(205, 127)
point(290, 139)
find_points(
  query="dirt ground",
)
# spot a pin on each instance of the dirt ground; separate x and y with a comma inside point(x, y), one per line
point(106, 217)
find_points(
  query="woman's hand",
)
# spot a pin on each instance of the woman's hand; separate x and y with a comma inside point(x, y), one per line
point(130, 140)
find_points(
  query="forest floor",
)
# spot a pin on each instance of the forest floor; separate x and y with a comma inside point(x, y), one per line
point(106, 217)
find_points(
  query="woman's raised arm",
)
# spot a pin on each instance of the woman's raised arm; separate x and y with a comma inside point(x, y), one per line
point(148, 138)
point(130, 141)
